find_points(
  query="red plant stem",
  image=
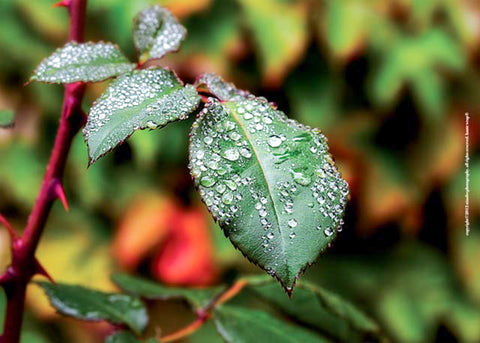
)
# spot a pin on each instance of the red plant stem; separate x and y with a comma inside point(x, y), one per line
point(205, 314)
point(24, 265)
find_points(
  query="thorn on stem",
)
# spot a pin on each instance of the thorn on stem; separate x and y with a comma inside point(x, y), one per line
point(40, 270)
point(60, 194)
point(62, 3)
point(11, 231)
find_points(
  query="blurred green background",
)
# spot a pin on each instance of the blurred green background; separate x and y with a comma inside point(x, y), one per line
point(388, 81)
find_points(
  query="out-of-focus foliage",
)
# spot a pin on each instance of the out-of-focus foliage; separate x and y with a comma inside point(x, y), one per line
point(388, 82)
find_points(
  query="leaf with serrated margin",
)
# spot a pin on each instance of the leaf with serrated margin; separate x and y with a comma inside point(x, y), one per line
point(156, 32)
point(86, 62)
point(149, 98)
point(91, 305)
point(269, 181)
point(317, 307)
point(242, 325)
point(197, 298)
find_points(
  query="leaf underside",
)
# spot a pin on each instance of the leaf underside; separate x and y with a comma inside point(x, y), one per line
point(86, 62)
point(149, 98)
point(156, 32)
point(269, 182)
point(87, 304)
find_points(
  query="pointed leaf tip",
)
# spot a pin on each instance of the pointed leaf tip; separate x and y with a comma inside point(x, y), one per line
point(269, 181)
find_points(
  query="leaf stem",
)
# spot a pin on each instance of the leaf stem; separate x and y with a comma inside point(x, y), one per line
point(205, 313)
point(24, 264)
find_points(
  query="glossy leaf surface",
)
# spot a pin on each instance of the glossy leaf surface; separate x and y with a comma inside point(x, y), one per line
point(87, 304)
point(157, 32)
point(149, 98)
point(269, 181)
point(87, 62)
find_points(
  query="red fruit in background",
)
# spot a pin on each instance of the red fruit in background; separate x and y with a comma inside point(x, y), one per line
point(143, 227)
point(179, 238)
point(186, 257)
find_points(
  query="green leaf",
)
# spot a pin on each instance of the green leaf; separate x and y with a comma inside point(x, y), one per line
point(87, 62)
point(238, 324)
point(197, 298)
point(156, 32)
point(122, 337)
point(87, 304)
point(7, 118)
point(222, 90)
point(269, 182)
point(149, 98)
point(319, 308)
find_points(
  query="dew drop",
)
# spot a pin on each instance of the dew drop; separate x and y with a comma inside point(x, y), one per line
point(292, 223)
point(207, 181)
point(328, 231)
point(231, 154)
point(274, 141)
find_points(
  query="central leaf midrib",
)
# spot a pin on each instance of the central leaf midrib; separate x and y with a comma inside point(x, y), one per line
point(249, 139)
point(129, 117)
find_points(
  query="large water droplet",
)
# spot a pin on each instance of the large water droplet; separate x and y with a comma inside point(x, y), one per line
point(328, 231)
point(301, 178)
point(207, 181)
point(274, 141)
point(231, 154)
point(292, 223)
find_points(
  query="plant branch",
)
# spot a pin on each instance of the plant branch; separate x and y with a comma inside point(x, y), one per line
point(24, 264)
point(205, 313)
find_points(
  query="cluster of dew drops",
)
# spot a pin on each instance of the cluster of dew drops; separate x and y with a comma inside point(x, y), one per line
point(157, 30)
point(219, 154)
point(141, 88)
point(76, 61)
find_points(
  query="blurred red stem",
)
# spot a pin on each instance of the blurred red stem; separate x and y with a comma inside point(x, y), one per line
point(24, 264)
point(205, 313)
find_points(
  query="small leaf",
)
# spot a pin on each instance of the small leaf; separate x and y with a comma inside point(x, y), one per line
point(87, 304)
point(269, 182)
point(197, 298)
point(214, 84)
point(238, 324)
point(87, 62)
point(156, 32)
point(122, 337)
point(7, 118)
point(142, 98)
point(319, 308)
